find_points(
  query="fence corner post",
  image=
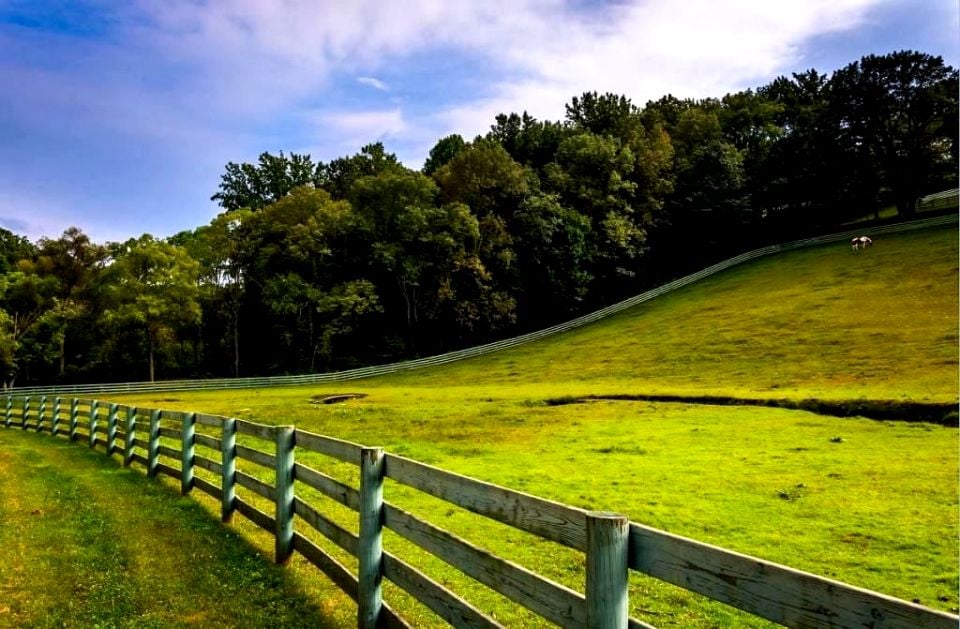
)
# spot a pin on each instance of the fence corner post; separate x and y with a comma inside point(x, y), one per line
point(228, 468)
point(370, 552)
point(129, 430)
point(41, 411)
point(153, 443)
point(607, 596)
point(286, 441)
point(55, 420)
point(94, 407)
point(111, 428)
point(187, 431)
point(74, 410)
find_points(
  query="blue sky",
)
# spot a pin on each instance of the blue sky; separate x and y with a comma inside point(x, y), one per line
point(118, 117)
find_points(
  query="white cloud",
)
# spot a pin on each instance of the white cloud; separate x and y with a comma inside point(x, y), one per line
point(376, 84)
point(548, 50)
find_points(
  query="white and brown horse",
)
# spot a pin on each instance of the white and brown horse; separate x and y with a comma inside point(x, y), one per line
point(860, 242)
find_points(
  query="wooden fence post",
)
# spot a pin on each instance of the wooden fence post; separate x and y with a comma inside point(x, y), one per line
point(94, 407)
point(608, 535)
point(40, 412)
point(74, 410)
point(26, 413)
point(187, 431)
point(129, 429)
point(228, 468)
point(284, 513)
point(9, 417)
point(111, 428)
point(370, 552)
point(153, 443)
point(55, 421)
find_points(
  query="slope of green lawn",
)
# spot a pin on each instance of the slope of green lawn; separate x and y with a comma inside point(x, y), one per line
point(871, 503)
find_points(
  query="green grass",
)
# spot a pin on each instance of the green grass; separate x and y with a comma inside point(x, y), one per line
point(876, 508)
point(86, 543)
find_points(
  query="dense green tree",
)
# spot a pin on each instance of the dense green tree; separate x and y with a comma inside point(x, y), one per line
point(898, 113)
point(150, 286)
point(442, 152)
point(339, 175)
point(269, 180)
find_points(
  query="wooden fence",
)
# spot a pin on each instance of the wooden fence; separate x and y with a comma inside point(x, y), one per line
point(179, 444)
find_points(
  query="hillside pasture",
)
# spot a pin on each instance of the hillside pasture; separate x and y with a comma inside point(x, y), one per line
point(866, 502)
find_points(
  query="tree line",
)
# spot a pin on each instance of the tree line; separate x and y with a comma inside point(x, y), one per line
point(316, 266)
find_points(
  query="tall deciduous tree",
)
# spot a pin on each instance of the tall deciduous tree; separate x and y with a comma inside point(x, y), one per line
point(269, 180)
point(898, 112)
point(151, 286)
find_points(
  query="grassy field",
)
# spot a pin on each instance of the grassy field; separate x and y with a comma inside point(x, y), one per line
point(85, 543)
point(871, 503)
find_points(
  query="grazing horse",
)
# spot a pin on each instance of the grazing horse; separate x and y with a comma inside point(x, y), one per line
point(860, 242)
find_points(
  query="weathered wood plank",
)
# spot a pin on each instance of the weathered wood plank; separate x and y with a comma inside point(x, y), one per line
point(326, 527)
point(139, 458)
point(172, 472)
point(256, 485)
point(212, 421)
point(254, 429)
point(171, 433)
point(330, 487)
point(167, 451)
point(207, 464)
point(255, 515)
point(778, 593)
point(207, 441)
point(346, 451)
point(442, 601)
point(259, 457)
point(546, 518)
point(141, 443)
point(176, 416)
point(207, 487)
point(553, 601)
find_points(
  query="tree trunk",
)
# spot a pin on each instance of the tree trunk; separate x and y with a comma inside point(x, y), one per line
point(63, 354)
point(150, 345)
point(236, 343)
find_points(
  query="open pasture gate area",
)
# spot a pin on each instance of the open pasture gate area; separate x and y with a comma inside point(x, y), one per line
point(276, 476)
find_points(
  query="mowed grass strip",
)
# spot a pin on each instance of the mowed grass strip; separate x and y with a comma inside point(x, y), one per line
point(86, 543)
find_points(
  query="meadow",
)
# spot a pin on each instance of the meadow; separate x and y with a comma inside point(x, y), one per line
point(871, 503)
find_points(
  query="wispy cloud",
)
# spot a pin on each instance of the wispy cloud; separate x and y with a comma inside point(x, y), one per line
point(376, 84)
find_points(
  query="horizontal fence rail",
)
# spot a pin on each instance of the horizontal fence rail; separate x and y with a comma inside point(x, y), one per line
point(471, 352)
point(612, 545)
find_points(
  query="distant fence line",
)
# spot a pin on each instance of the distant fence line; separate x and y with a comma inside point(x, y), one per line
point(442, 359)
point(947, 199)
point(198, 450)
